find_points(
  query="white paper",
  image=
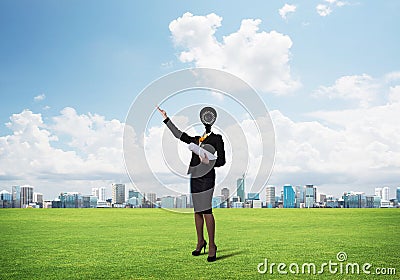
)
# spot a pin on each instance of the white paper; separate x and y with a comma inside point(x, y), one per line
point(200, 151)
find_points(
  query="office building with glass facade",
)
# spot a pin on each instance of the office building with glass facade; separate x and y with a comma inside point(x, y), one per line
point(270, 196)
point(240, 188)
point(181, 201)
point(5, 199)
point(289, 196)
point(16, 196)
point(398, 195)
point(168, 202)
point(310, 196)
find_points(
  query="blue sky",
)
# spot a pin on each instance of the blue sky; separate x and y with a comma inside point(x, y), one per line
point(96, 56)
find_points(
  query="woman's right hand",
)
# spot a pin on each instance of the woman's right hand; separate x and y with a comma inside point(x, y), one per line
point(162, 112)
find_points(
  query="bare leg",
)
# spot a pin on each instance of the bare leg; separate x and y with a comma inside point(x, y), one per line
point(199, 222)
point(210, 224)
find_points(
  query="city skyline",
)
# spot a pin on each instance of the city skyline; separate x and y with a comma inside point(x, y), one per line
point(286, 194)
point(70, 74)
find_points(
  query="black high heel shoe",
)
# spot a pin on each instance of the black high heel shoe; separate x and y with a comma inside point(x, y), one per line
point(197, 253)
point(213, 258)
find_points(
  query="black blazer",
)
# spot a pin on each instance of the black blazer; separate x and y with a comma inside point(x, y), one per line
point(213, 143)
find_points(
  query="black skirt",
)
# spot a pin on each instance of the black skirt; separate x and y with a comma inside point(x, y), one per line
point(202, 189)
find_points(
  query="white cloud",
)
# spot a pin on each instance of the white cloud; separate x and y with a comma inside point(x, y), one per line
point(370, 136)
point(341, 3)
point(392, 77)
point(349, 147)
point(361, 88)
point(88, 133)
point(39, 97)
point(325, 9)
point(260, 58)
point(364, 150)
point(35, 151)
point(286, 9)
point(394, 94)
point(346, 147)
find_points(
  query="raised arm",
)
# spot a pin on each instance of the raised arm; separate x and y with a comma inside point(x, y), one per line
point(184, 137)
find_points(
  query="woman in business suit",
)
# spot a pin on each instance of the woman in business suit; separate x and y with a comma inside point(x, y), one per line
point(202, 177)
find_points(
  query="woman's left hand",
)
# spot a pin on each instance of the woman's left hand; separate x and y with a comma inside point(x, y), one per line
point(204, 159)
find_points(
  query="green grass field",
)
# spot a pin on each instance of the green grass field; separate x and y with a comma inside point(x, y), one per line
point(157, 244)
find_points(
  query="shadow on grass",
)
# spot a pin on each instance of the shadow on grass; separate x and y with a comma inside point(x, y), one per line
point(225, 254)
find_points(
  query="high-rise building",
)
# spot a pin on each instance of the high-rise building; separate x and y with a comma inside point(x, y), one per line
point(289, 196)
point(331, 202)
point(38, 198)
point(152, 198)
point(5, 199)
point(355, 200)
point(240, 188)
point(315, 194)
point(309, 196)
point(137, 194)
point(398, 194)
point(181, 201)
point(385, 193)
point(26, 195)
point(134, 202)
point(225, 193)
point(16, 196)
point(377, 202)
point(217, 201)
point(322, 198)
point(118, 193)
point(102, 194)
point(270, 196)
point(70, 200)
point(372, 201)
point(352, 200)
point(190, 201)
point(89, 201)
point(5, 195)
point(299, 196)
point(378, 192)
point(168, 202)
point(95, 192)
